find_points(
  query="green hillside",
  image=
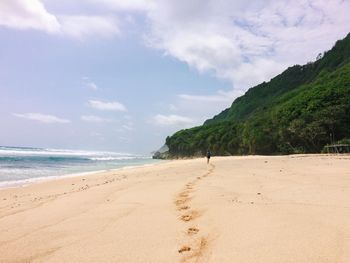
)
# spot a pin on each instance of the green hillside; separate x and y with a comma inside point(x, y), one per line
point(298, 111)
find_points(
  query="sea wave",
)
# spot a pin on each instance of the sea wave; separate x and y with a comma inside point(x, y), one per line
point(111, 158)
point(23, 163)
point(15, 151)
point(63, 154)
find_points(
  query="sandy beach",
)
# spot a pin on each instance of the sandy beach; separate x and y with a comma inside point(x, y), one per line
point(236, 209)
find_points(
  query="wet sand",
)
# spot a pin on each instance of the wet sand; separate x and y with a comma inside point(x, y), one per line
point(236, 209)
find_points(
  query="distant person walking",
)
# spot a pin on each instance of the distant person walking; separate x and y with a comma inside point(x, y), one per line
point(208, 156)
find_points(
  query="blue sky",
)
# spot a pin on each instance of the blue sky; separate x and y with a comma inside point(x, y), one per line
point(122, 75)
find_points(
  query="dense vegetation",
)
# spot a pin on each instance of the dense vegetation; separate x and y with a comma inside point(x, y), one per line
point(300, 110)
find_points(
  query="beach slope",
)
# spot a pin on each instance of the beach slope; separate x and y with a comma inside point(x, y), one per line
point(236, 209)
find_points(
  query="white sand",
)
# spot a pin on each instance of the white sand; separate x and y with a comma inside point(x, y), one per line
point(239, 209)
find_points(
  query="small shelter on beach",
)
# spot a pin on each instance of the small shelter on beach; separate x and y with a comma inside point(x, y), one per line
point(338, 148)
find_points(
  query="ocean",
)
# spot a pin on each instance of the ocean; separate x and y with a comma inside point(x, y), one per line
point(21, 165)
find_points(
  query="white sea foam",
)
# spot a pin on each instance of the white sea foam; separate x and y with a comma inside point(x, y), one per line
point(12, 151)
point(26, 182)
point(111, 158)
point(20, 165)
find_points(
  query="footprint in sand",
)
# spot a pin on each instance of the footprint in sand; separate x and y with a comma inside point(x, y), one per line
point(184, 194)
point(192, 230)
point(183, 201)
point(184, 249)
point(186, 218)
point(185, 207)
point(190, 216)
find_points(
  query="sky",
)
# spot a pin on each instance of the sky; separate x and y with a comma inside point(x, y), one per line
point(122, 75)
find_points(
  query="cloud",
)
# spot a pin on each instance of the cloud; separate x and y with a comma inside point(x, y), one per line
point(87, 83)
point(201, 107)
point(24, 15)
point(128, 127)
point(81, 27)
point(44, 118)
point(122, 5)
point(91, 86)
point(124, 139)
point(107, 106)
point(171, 120)
point(94, 119)
point(246, 42)
point(219, 97)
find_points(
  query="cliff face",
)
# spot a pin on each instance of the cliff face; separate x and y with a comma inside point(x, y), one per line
point(162, 153)
point(296, 111)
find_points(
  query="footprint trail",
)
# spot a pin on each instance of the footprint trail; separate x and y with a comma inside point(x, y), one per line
point(194, 244)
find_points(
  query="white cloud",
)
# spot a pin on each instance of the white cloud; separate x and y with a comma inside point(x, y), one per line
point(24, 14)
point(94, 119)
point(87, 83)
point(107, 105)
point(219, 97)
point(81, 27)
point(196, 108)
point(246, 42)
point(44, 118)
point(91, 85)
point(171, 120)
point(124, 139)
point(127, 5)
point(128, 127)
point(202, 107)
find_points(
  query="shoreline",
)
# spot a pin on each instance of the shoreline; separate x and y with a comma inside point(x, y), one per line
point(42, 179)
point(252, 209)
